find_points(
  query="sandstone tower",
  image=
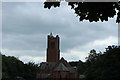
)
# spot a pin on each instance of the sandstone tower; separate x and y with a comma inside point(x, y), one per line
point(53, 51)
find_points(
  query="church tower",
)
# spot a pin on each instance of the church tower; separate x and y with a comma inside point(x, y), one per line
point(53, 52)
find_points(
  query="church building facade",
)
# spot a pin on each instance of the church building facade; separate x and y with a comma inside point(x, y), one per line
point(54, 67)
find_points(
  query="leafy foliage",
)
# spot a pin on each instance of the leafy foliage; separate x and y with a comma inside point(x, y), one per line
point(104, 66)
point(98, 66)
point(92, 11)
point(49, 4)
point(73, 63)
point(12, 67)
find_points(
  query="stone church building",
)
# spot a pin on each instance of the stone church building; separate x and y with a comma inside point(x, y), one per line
point(54, 67)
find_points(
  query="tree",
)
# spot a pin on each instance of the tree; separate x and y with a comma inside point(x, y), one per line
point(93, 56)
point(73, 63)
point(12, 67)
point(105, 66)
point(30, 70)
point(81, 67)
point(92, 11)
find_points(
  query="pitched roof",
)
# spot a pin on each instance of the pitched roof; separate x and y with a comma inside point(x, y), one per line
point(46, 66)
point(61, 67)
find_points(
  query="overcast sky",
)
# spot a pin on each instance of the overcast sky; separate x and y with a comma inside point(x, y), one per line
point(25, 27)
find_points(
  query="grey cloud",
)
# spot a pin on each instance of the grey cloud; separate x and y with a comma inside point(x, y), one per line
point(26, 26)
point(24, 42)
point(19, 53)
